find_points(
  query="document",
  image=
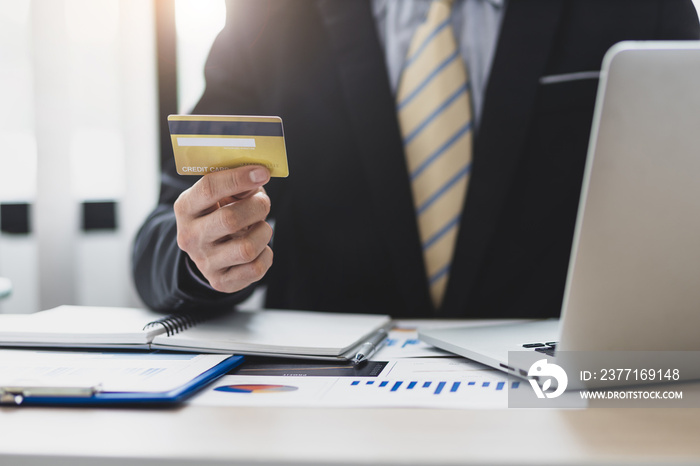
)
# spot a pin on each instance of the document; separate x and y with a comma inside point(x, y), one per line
point(403, 342)
point(402, 383)
point(95, 377)
point(115, 372)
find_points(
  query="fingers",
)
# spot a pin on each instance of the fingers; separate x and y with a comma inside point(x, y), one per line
point(212, 188)
point(233, 264)
point(230, 219)
point(237, 277)
point(221, 226)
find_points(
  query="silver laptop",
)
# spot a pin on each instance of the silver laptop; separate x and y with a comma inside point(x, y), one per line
point(634, 276)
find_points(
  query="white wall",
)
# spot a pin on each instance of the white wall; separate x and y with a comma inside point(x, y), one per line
point(197, 22)
point(83, 85)
point(18, 157)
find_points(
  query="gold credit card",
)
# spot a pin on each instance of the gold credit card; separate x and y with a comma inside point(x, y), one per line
point(207, 143)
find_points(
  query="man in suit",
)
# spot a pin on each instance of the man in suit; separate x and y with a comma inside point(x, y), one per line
point(345, 230)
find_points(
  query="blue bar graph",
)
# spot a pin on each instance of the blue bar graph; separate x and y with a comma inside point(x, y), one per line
point(402, 343)
point(441, 387)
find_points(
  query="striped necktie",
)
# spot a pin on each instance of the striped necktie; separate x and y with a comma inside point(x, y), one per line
point(434, 112)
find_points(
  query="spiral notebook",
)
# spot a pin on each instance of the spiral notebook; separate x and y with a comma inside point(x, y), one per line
point(305, 334)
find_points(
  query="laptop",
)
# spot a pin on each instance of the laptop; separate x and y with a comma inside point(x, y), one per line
point(633, 281)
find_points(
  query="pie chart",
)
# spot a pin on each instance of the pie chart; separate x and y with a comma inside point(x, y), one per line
point(256, 388)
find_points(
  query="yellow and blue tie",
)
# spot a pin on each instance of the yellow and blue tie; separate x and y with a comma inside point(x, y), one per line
point(434, 112)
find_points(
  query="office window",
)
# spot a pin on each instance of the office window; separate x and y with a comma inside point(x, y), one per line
point(197, 23)
point(18, 153)
point(95, 146)
point(18, 156)
point(78, 93)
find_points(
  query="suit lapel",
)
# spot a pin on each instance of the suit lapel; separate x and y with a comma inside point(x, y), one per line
point(371, 108)
point(526, 37)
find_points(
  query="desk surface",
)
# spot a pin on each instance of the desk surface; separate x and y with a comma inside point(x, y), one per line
point(201, 435)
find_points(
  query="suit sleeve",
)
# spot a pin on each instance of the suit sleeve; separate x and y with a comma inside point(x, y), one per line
point(164, 276)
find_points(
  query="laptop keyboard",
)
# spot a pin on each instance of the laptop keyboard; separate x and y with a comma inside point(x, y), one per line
point(547, 348)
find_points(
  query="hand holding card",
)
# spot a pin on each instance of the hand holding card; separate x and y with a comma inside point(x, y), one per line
point(208, 143)
point(221, 218)
point(221, 226)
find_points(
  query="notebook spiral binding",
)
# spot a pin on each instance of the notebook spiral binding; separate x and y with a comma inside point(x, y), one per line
point(175, 323)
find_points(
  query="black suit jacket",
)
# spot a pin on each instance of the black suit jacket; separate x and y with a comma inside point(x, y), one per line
point(345, 235)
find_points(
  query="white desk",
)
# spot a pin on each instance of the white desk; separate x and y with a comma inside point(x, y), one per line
point(266, 436)
point(198, 435)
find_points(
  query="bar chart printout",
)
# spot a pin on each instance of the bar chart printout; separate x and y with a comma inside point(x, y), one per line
point(436, 388)
point(482, 392)
point(413, 382)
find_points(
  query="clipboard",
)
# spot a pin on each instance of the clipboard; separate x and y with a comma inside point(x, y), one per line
point(95, 395)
